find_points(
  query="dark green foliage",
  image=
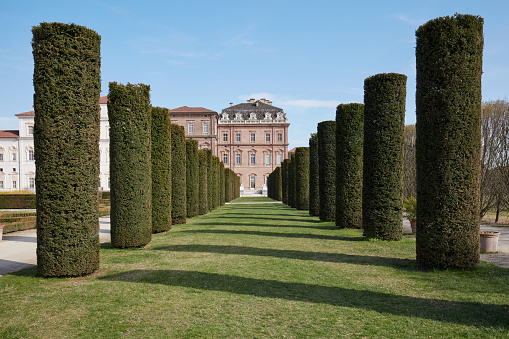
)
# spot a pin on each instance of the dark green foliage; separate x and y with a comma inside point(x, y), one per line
point(327, 169)
point(314, 182)
point(203, 205)
point(178, 175)
point(161, 170)
point(448, 101)
point(15, 201)
point(105, 195)
point(349, 141)
point(384, 123)
point(221, 184)
point(210, 180)
point(67, 84)
point(129, 115)
point(284, 181)
point(274, 184)
point(217, 180)
point(192, 180)
point(292, 190)
point(236, 183)
point(302, 178)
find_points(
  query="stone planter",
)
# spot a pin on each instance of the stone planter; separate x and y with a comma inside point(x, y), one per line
point(413, 225)
point(489, 241)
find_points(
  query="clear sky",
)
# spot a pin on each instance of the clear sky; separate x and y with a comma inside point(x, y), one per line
point(305, 56)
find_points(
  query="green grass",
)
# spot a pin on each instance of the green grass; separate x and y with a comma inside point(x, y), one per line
point(259, 270)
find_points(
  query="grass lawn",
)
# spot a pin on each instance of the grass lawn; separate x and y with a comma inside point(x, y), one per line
point(259, 270)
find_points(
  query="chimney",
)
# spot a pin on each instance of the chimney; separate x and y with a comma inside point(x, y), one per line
point(231, 104)
point(251, 101)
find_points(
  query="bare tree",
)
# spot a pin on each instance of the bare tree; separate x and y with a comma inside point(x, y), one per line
point(495, 157)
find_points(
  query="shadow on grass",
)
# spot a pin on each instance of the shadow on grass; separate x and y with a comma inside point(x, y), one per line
point(405, 264)
point(240, 224)
point(283, 235)
point(465, 313)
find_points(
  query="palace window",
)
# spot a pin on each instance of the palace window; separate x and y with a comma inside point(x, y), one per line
point(237, 137)
point(267, 137)
point(225, 137)
point(279, 137)
point(279, 159)
point(31, 154)
point(14, 184)
point(1, 157)
point(253, 137)
point(267, 159)
point(30, 130)
point(14, 156)
point(31, 183)
point(253, 159)
point(225, 158)
point(253, 181)
point(190, 128)
point(1, 184)
point(205, 128)
point(238, 159)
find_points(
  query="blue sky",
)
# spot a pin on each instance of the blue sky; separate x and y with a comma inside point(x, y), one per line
point(306, 56)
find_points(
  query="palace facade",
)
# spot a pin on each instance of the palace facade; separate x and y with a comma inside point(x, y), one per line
point(250, 138)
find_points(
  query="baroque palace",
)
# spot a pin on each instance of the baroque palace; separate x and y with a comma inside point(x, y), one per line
point(250, 138)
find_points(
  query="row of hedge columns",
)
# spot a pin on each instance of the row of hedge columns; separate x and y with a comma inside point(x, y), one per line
point(192, 180)
point(349, 143)
point(448, 106)
point(314, 181)
point(384, 123)
point(327, 169)
point(161, 170)
point(129, 113)
point(67, 86)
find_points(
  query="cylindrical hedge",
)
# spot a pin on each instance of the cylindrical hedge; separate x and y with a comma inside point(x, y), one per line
point(302, 178)
point(448, 102)
point(349, 143)
point(314, 182)
point(292, 191)
point(327, 169)
point(221, 184)
point(217, 181)
point(129, 115)
point(161, 170)
point(276, 179)
point(284, 181)
point(192, 180)
point(203, 205)
point(178, 175)
point(67, 84)
point(210, 180)
point(384, 123)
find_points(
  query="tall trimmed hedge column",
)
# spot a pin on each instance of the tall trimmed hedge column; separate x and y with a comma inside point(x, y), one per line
point(178, 175)
point(210, 180)
point(129, 115)
point(221, 184)
point(448, 101)
point(203, 205)
point(67, 84)
point(327, 169)
point(314, 182)
point(192, 180)
point(284, 181)
point(161, 170)
point(384, 123)
point(349, 143)
point(276, 179)
point(302, 178)
point(292, 191)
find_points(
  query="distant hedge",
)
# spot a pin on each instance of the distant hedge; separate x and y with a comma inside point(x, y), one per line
point(448, 105)
point(284, 181)
point(210, 180)
point(67, 85)
point(221, 184)
point(228, 187)
point(203, 205)
point(17, 201)
point(192, 179)
point(129, 115)
point(327, 169)
point(349, 143)
point(292, 189)
point(302, 178)
point(217, 181)
point(178, 175)
point(384, 123)
point(274, 184)
point(161, 170)
point(314, 181)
